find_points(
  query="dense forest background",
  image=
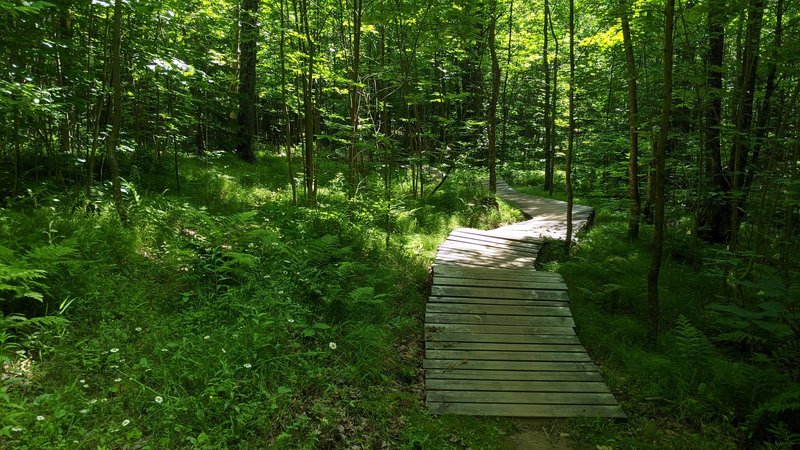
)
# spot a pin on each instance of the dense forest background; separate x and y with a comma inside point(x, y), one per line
point(217, 216)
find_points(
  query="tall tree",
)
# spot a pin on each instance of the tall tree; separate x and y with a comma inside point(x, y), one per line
point(548, 154)
point(116, 124)
point(355, 98)
point(659, 156)
point(633, 126)
point(712, 223)
point(492, 115)
point(571, 131)
point(744, 117)
point(247, 81)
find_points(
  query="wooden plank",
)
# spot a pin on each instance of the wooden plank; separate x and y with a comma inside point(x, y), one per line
point(510, 375)
point(504, 346)
point(529, 250)
point(502, 339)
point(449, 252)
point(495, 301)
point(530, 275)
point(521, 294)
point(499, 329)
point(484, 251)
point(521, 240)
point(510, 410)
point(516, 386)
point(496, 319)
point(490, 239)
point(493, 355)
point(478, 282)
point(467, 308)
point(480, 264)
point(509, 365)
point(539, 398)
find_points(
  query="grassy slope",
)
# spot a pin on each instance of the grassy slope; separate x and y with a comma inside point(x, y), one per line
point(228, 317)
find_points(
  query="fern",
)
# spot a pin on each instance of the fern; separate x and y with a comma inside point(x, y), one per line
point(692, 345)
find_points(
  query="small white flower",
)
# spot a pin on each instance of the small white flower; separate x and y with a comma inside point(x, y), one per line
point(117, 380)
point(16, 429)
point(291, 320)
point(247, 365)
point(280, 292)
point(138, 328)
point(84, 411)
point(126, 422)
point(86, 386)
point(206, 337)
point(114, 350)
point(159, 399)
point(40, 418)
point(164, 350)
point(332, 345)
point(223, 351)
point(82, 381)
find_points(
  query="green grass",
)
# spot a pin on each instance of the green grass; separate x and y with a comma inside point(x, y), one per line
point(227, 317)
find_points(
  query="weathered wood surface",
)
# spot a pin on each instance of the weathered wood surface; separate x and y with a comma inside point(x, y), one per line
point(499, 334)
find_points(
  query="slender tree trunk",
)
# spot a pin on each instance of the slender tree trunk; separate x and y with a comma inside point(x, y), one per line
point(355, 98)
point(247, 82)
point(713, 224)
point(633, 129)
point(553, 106)
point(548, 156)
point(744, 117)
point(308, 108)
point(659, 156)
point(116, 83)
point(506, 106)
point(493, 100)
point(765, 112)
point(571, 131)
point(287, 124)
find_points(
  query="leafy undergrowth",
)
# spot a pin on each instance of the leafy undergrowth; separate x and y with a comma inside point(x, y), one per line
point(720, 376)
point(226, 316)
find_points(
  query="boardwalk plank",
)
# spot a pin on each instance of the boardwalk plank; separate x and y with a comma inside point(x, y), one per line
point(478, 282)
point(510, 375)
point(496, 319)
point(482, 409)
point(522, 294)
point(467, 308)
point(516, 386)
point(492, 355)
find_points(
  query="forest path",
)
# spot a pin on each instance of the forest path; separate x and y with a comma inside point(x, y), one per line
point(499, 336)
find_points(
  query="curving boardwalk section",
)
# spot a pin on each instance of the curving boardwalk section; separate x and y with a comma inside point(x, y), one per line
point(499, 337)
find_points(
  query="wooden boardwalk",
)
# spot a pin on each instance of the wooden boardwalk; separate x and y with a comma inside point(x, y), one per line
point(499, 337)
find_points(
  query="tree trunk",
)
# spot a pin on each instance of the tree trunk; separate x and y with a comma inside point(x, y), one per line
point(308, 109)
point(358, 6)
point(571, 131)
point(287, 125)
point(713, 224)
point(633, 129)
point(116, 125)
point(744, 118)
point(492, 116)
point(548, 155)
point(659, 156)
point(247, 82)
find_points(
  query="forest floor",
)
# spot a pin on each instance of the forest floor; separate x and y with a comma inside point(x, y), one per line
point(226, 316)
